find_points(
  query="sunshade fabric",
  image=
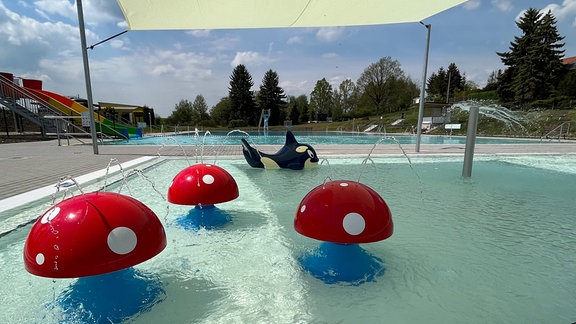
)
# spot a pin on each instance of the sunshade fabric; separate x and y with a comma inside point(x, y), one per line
point(236, 14)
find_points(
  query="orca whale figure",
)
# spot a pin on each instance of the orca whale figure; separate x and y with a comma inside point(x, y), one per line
point(292, 155)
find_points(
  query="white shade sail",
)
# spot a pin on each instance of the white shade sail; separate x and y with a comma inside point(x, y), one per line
point(232, 14)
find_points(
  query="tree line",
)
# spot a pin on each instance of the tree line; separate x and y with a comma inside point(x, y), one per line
point(534, 77)
point(383, 87)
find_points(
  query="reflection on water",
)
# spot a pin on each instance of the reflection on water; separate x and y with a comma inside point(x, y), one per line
point(496, 247)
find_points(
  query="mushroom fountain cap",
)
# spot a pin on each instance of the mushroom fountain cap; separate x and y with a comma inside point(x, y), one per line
point(346, 212)
point(92, 234)
point(202, 184)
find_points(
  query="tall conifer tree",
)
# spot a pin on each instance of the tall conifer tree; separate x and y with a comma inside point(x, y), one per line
point(534, 60)
point(272, 97)
point(241, 97)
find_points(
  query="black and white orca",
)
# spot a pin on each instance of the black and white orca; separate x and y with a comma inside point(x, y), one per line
point(292, 155)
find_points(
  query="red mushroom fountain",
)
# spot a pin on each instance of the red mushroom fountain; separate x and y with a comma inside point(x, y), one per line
point(343, 214)
point(202, 186)
point(92, 234)
point(98, 237)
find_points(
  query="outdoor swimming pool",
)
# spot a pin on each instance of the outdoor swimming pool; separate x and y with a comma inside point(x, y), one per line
point(498, 247)
point(312, 138)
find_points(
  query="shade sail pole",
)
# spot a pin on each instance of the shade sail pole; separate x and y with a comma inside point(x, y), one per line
point(423, 89)
point(87, 76)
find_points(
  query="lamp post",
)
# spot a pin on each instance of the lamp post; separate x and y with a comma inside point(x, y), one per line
point(423, 89)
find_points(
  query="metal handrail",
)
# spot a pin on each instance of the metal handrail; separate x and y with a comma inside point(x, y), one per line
point(26, 97)
point(561, 129)
point(69, 135)
point(29, 95)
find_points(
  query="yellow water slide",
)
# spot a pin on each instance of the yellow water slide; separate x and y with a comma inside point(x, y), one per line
point(66, 105)
point(72, 108)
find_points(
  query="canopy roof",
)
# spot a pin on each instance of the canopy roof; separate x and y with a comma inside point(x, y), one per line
point(232, 14)
point(121, 107)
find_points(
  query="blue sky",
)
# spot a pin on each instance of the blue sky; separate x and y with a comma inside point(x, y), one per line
point(40, 40)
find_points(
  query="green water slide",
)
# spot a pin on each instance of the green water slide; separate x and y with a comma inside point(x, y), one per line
point(72, 108)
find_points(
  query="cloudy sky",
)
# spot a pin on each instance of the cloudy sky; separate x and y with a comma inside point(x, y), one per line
point(40, 40)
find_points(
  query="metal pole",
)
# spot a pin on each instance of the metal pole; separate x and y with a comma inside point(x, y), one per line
point(470, 141)
point(423, 89)
point(58, 131)
point(87, 76)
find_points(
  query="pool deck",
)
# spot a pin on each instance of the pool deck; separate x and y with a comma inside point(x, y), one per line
point(32, 165)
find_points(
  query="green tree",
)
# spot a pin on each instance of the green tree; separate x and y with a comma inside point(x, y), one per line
point(241, 97)
point(405, 91)
point(321, 100)
point(492, 82)
point(200, 109)
point(567, 86)
point(221, 114)
point(301, 105)
point(534, 60)
point(438, 83)
point(149, 116)
point(337, 109)
point(293, 113)
point(297, 107)
point(376, 82)
point(183, 114)
point(272, 97)
point(348, 96)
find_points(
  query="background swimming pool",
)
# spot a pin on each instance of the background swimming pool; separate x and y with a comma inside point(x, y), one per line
point(495, 248)
point(313, 138)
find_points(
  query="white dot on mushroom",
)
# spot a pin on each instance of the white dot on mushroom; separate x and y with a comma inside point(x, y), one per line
point(303, 208)
point(122, 240)
point(343, 184)
point(40, 259)
point(354, 223)
point(208, 179)
point(50, 215)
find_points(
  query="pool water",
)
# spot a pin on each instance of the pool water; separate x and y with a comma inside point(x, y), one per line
point(312, 138)
point(499, 247)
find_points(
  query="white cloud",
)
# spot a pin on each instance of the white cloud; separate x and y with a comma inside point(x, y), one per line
point(122, 24)
point(117, 43)
point(330, 34)
point(564, 11)
point(95, 12)
point(329, 55)
point(250, 58)
point(163, 69)
point(224, 43)
point(471, 4)
point(181, 66)
point(294, 40)
point(62, 8)
point(503, 5)
point(295, 88)
point(200, 33)
point(36, 40)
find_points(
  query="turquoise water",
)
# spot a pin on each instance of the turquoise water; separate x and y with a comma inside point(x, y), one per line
point(499, 247)
point(312, 138)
